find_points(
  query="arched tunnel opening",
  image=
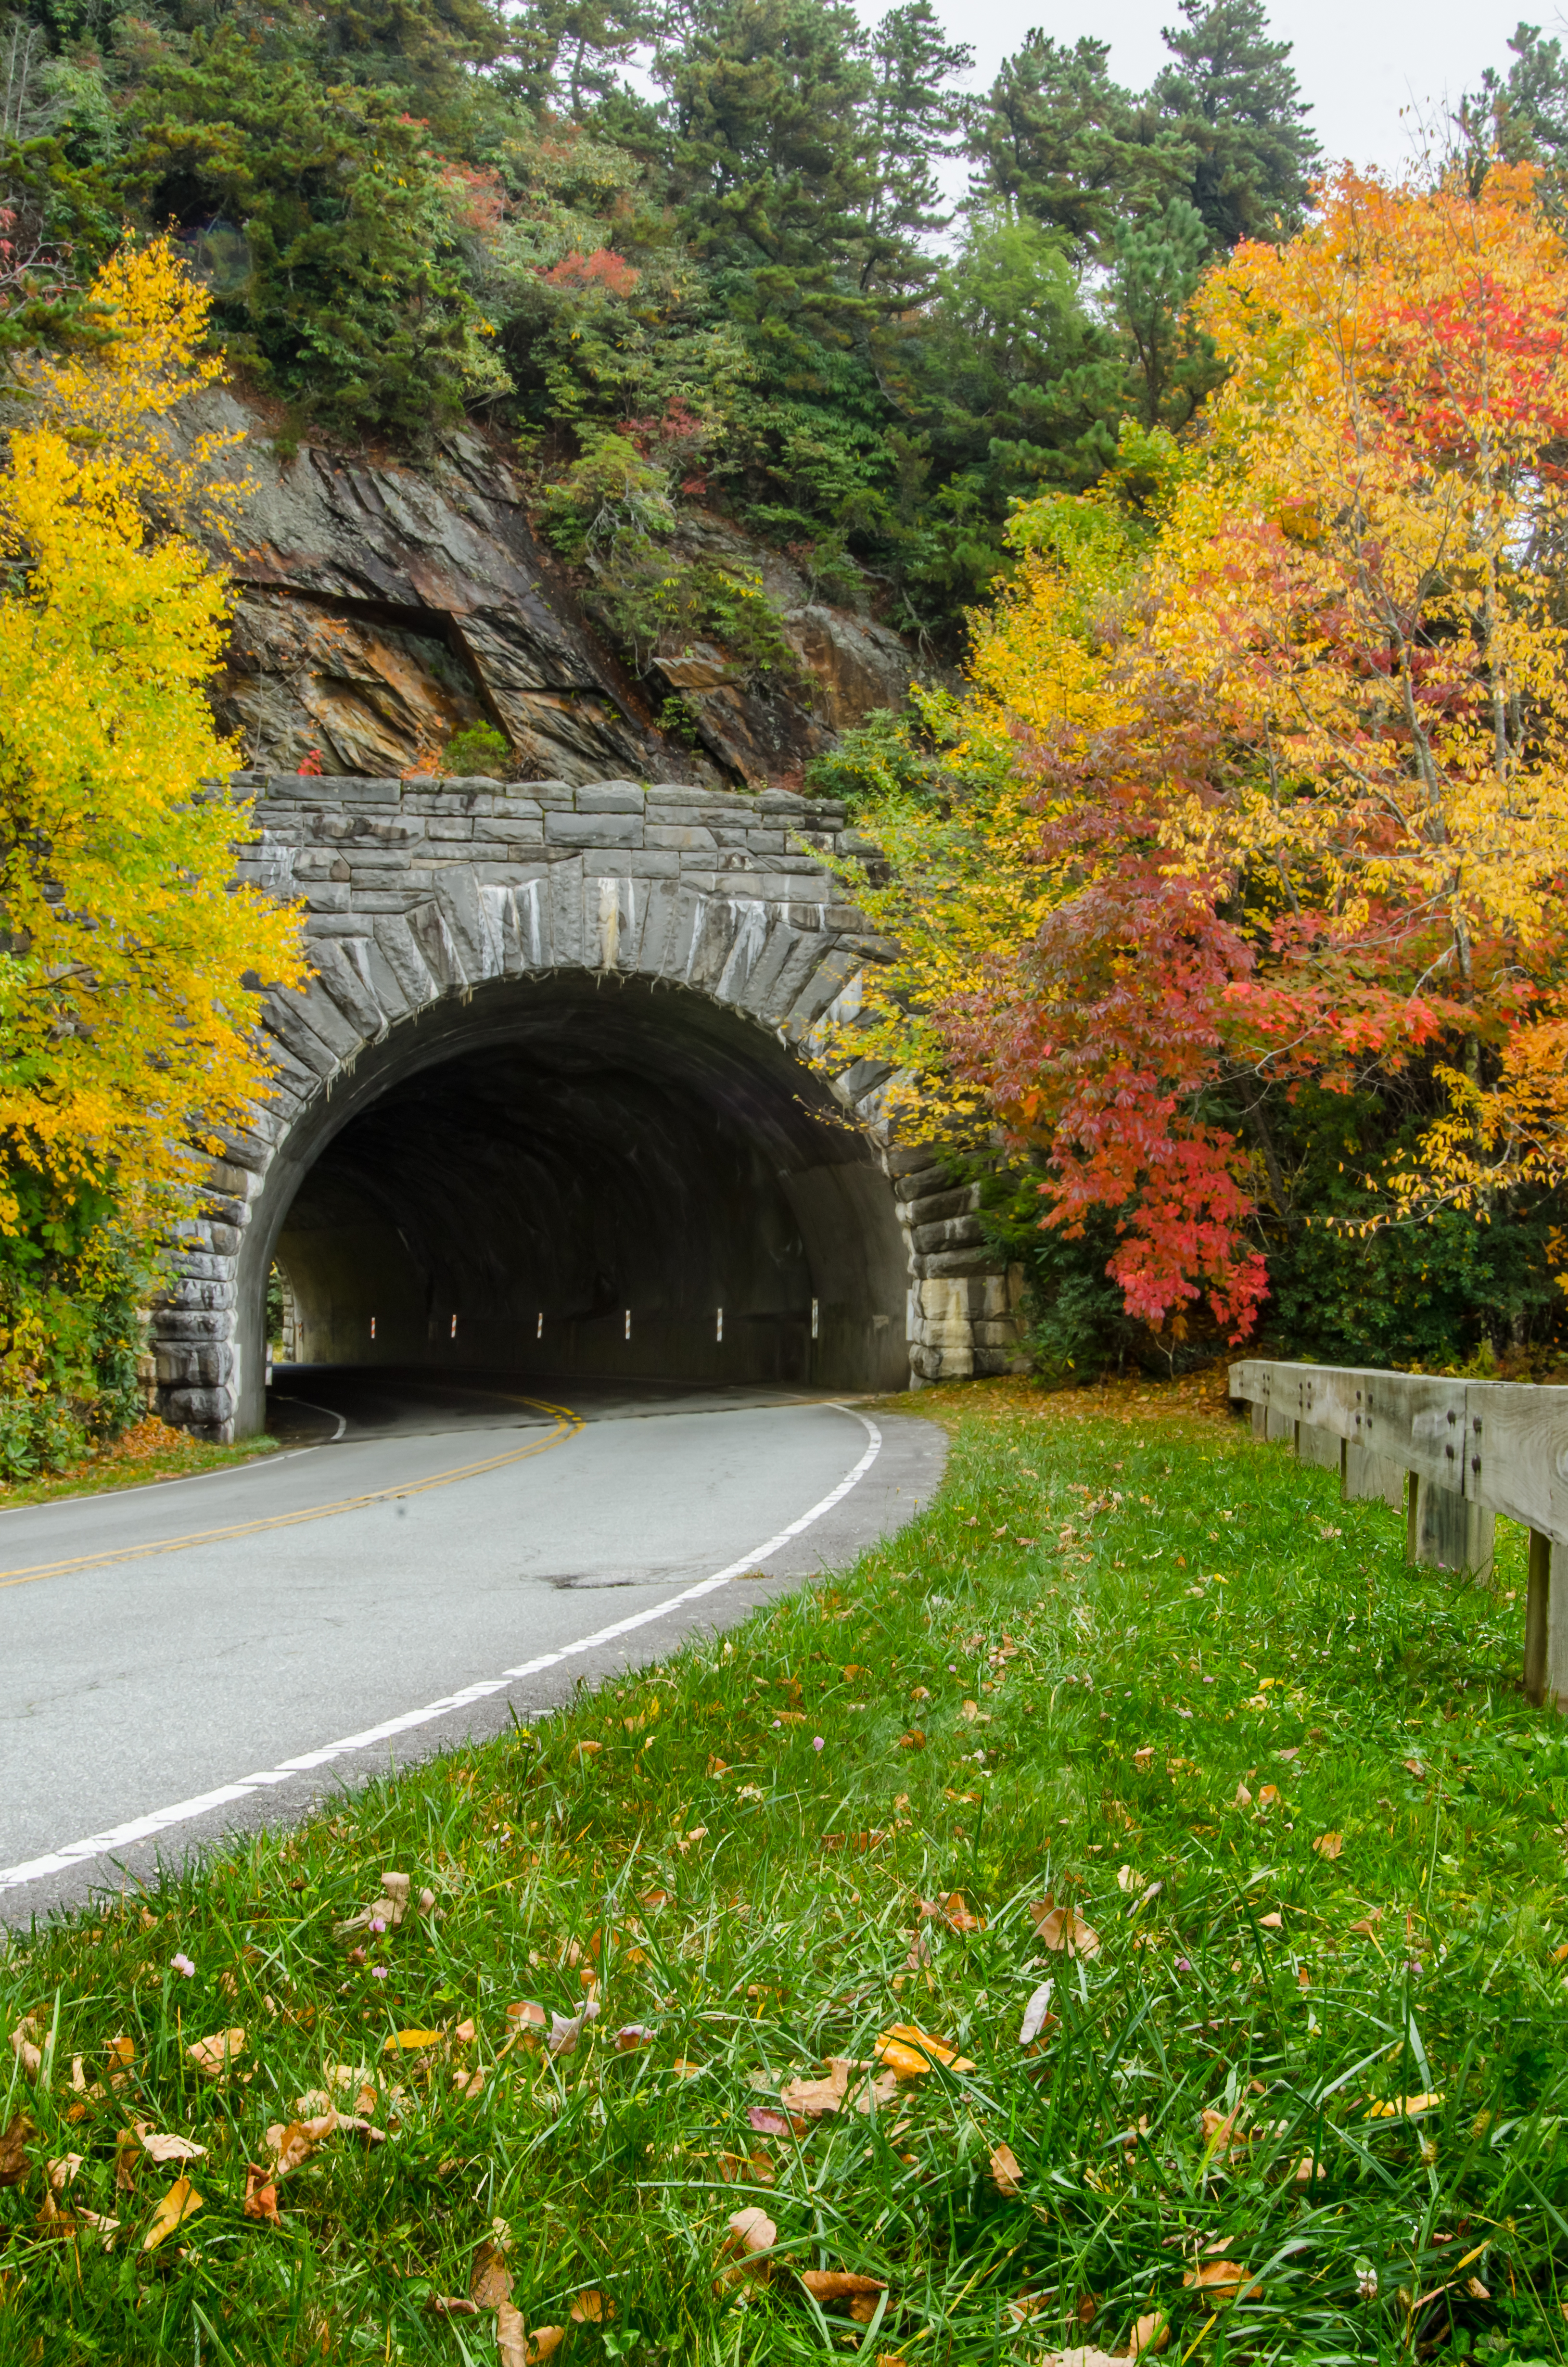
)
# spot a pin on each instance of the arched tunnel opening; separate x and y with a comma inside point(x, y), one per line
point(580, 1176)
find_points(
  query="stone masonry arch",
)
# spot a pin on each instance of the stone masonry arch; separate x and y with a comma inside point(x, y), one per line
point(544, 1107)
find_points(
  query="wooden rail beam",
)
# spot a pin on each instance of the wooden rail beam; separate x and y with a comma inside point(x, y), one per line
point(1456, 1454)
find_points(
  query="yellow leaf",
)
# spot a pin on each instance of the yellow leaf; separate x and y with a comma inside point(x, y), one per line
point(410, 2042)
point(178, 2204)
point(909, 2052)
point(216, 2055)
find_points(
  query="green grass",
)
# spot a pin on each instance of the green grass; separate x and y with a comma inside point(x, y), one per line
point(151, 1451)
point(1193, 1609)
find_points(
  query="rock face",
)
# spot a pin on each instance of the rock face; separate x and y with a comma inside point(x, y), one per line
point(553, 1071)
point(384, 607)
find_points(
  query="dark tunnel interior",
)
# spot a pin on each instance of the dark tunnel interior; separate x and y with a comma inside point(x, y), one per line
point(577, 1178)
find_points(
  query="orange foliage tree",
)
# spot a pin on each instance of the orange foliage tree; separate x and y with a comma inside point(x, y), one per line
point(1298, 754)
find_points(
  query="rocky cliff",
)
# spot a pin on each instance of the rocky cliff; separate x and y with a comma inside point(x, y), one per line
point(384, 606)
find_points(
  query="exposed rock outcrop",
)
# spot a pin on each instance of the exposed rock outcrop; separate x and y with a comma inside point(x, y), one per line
point(384, 606)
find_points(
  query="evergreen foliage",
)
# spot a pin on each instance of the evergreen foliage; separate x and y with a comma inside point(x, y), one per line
point(746, 289)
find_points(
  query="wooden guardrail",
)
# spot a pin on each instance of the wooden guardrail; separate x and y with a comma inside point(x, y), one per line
point(1454, 1455)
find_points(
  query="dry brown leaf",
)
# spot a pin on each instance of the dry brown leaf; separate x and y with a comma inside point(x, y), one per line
point(951, 1910)
point(163, 2145)
point(969, 1711)
point(1329, 1844)
point(815, 2097)
point(1038, 2017)
point(592, 2308)
point(910, 2053)
point(25, 2046)
point(1007, 2172)
point(1222, 2135)
point(861, 2293)
point(61, 2171)
point(654, 1899)
point(1366, 1924)
point(295, 2143)
point(1269, 1796)
point(544, 2343)
point(566, 2029)
point(1149, 2333)
point(1060, 1927)
point(749, 2238)
point(511, 2337)
point(1243, 1798)
point(216, 2055)
point(1087, 2356)
point(490, 2283)
point(1271, 1922)
point(180, 2204)
point(1223, 2279)
point(451, 2306)
point(914, 1740)
point(261, 2195)
point(15, 2139)
point(1144, 1758)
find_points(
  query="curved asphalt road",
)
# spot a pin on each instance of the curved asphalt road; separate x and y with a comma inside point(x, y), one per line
point(430, 1557)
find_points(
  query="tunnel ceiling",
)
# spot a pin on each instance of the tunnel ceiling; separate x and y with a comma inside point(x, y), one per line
point(594, 1152)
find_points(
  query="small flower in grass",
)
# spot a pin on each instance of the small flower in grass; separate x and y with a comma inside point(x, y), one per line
point(817, 1742)
point(378, 1972)
point(377, 1924)
point(1182, 1966)
point(183, 1964)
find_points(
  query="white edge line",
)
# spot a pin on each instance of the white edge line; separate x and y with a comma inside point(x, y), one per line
point(158, 1820)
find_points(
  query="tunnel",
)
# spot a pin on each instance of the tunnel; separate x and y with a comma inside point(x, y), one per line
point(577, 1175)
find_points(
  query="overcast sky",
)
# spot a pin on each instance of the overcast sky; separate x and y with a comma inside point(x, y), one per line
point(1372, 70)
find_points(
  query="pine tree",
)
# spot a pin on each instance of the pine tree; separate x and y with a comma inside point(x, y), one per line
point(1232, 97)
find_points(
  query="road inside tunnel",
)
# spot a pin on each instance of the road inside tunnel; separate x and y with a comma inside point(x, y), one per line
point(585, 1179)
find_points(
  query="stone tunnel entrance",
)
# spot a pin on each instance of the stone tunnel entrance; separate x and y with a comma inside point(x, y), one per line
point(586, 1176)
point(548, 1102)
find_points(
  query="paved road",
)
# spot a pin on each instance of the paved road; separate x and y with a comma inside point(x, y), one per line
point(427, 1558)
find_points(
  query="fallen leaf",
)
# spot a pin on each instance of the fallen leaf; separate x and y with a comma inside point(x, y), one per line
point(1243, 1798)
point(160, 2144)
point(1366, 1924)
point(1038, 2017)
point(1328, 1845)
point(912, 1741)
point(1144, 1759)
point(862, 2294)
point(816, 2097)
point(751, 2235)
point(294, 2142)
point(770, 2124)
point(1405, 2107)
point(1024, 2305)
point(1222, 2134)
point(969, 1711)
point(1307, 2168)
point(1223, 2279)
point(589, 1749)
point(214, 2057)
point(654, 1899)
point(592, 2308)
point(684, 2070)
point(14, 2138)
point(1269, 1797)
point(451, 2306)
point(490, 2283)
point(951, 1910)
point(544, 2343)
point(410, 2042)
point(910, 2053)
point(1149, 2333)
point(1060, 1927)
point(25, 2048)
point(261, 2195)
point(61, 2173)
point(1007, 2172)
point(180, 2204)
point(630, 2034)
point(565, 2029)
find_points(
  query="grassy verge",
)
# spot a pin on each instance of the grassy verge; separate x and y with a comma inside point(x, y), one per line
point(1303, 2096)
point(149, 1450)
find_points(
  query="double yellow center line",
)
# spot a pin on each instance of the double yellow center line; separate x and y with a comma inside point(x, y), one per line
point(564, 1424)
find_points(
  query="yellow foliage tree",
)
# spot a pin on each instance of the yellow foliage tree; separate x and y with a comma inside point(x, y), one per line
point(126, 1027)
point(1290, 728)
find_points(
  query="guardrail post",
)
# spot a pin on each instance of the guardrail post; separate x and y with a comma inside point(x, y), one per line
point(1546, 1624)
point(1318, 1448)
point(1365, 1478)
point(1446, 1531)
